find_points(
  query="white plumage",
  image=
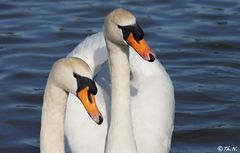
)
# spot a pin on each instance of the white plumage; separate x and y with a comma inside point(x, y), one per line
point(152, 102)
point(138, 118)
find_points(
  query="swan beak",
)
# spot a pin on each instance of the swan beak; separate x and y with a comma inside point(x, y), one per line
point(89, 102)
point(142, 48)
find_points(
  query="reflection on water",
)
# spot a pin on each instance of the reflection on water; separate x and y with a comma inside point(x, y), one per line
point(197, 41)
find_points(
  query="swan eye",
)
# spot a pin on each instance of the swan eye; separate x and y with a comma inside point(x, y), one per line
point(83, 82)
point(135, 29)
point(138, 33)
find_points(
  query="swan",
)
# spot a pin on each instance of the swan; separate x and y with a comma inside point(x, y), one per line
point(68, 75)
point(152, 95)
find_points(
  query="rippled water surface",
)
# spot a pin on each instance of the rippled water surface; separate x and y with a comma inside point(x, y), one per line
point(197, 41)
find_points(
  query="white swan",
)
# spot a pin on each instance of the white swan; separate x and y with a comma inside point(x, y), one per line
point(152, 100)
point(68, 75)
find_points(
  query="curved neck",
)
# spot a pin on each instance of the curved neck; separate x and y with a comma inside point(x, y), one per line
point(52, 123)
point(120, 136)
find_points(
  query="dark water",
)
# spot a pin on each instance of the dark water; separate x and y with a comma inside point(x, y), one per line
point(197, 41)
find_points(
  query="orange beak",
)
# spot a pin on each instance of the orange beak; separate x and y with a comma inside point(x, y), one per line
point(142, 48)
point(89, 102)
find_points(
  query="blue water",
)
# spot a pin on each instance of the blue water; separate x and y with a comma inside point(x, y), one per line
point(198, 42)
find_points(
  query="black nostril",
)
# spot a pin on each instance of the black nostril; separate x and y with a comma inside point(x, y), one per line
point(100, 120)
point(152, 58)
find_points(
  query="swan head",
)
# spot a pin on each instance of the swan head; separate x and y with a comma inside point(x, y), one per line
point(121, 28)
point(74, 76)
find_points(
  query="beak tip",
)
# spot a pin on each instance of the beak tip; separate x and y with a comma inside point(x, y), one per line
point(151, 57)
point(100, 120)
point(97, 118)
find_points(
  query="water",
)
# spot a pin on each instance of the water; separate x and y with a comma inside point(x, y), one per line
point(197, 42)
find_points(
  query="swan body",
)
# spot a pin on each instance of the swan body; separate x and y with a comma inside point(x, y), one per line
point(152, 106)
point(152, 100)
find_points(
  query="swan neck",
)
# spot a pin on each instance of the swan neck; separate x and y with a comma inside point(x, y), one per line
point(120, 136)
point(52, 122)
